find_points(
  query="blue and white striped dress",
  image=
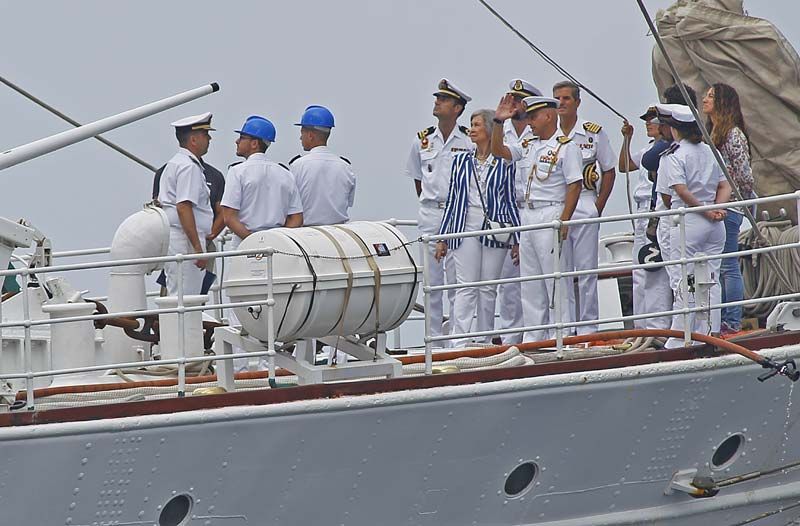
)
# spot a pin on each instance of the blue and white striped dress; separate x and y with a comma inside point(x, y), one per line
point(500, 197)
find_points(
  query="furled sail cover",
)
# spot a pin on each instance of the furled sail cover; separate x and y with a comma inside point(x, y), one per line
point(714, 41)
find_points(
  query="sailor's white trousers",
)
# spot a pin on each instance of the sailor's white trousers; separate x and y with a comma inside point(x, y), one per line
point(430, 219)
point(703, 237)
point(651, 288)
point(509, 302)
point(583, 242)
point(192, 275)
point(537, 252)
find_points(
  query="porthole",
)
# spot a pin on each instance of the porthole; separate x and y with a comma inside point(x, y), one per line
point(520, 480)
point(727, 452)
point(176, 511)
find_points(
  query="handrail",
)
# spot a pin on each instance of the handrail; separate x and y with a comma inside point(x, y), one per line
point(427, 289)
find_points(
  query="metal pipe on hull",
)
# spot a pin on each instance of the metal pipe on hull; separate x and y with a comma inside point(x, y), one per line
point(26, 152)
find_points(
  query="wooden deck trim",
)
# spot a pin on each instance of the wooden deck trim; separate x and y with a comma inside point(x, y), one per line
point(368, 387)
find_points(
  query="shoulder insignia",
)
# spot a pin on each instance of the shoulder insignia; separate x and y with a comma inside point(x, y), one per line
point(563, 139)
point(463, 129)
point(296, 157)
point(284, 166)
point(234, 164)
point(424, 133)
point(345, 159)
point(591, 127)
point(672, 148)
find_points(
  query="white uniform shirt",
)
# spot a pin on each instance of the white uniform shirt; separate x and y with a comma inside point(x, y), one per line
point(594, 147)
point(692, 165)
point(519, 145)
point(327, 186)
point(561, 161)
point(644, 188)
point(431, 159)
point(183, 180)
point(263, 192)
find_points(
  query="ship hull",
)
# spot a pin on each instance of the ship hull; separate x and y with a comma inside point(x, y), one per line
point(605, 445)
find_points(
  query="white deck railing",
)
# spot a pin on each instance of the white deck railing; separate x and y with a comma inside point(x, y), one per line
point(558, 325)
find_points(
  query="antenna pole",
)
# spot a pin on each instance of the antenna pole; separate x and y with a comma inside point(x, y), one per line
point(63, 116)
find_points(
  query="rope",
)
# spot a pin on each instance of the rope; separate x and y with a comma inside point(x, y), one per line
point(549, 60)
point(759, 273)
point(338, 326)
point(376, 272)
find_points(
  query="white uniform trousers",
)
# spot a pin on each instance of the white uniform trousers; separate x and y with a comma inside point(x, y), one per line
point(192, 275)
point(702, 237)
point(510, 302)
point(639, 275)
point(474, 261)
point(655, 287)
point(583, 241)
point(536, 254)
point(430, 219)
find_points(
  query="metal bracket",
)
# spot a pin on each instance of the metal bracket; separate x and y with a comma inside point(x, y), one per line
point(687, 481)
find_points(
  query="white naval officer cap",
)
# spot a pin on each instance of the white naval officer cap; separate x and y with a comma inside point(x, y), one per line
point(537, 103)
point(195, 122)
point(665, 111)
point(523, 88)
point(449, 89)
point(683, 115)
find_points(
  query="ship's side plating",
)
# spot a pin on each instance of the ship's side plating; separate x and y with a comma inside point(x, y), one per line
point(604, 447)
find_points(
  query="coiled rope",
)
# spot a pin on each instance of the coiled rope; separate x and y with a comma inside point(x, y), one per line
point(760, 273)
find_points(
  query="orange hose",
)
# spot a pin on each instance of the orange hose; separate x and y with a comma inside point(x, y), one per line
point(406, 360)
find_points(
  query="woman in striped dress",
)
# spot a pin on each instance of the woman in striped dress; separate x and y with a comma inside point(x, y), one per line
point(481, 194)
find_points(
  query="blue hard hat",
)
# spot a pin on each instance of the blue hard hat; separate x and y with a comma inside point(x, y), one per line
point(258, 127)
point(316, 116)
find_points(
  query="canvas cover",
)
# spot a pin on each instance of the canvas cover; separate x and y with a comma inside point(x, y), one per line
point(714, 41)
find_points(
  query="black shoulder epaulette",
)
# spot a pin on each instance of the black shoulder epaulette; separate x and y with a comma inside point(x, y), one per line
point(464, 129)
point(345, 159)
point(672, 148)
point(424, 133)
point(234, 164)
point(296, 157)
point(563, 139)
point(284, 166)
point(591, 127)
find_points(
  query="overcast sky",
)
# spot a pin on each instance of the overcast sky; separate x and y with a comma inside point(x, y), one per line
point(373, 63)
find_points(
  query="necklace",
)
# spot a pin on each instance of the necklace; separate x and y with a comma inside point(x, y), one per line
point(480, 166)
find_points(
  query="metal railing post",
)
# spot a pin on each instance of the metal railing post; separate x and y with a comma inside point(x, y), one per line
point(426, 301)
point(27, 359)
point(687, 330)
point(557, 246)
point(270, 301)
point(181, 326)
point(270, 317)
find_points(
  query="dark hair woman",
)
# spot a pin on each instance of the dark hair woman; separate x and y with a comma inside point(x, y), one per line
point(726, 126)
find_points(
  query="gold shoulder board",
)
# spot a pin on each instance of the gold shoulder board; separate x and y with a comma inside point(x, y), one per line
point(563, 139)
point(591, 127)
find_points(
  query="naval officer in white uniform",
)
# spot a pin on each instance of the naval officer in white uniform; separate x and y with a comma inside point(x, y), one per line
point(326, 181)
point(517, 135)
point(552, 190)
point(185, 198)
point(429, 164)
point(689, 176)
point(595, 150)
point(259, 194)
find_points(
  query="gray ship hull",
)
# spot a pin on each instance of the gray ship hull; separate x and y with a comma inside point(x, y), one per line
point(606, 445)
